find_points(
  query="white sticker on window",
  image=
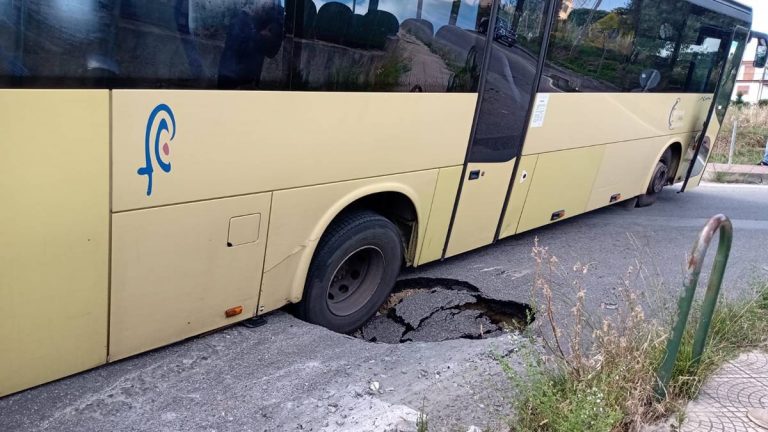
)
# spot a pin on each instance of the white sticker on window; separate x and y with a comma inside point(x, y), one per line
point(539, 110)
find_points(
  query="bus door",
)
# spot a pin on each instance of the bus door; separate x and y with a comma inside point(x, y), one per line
point(510, 70)
point(699, 152)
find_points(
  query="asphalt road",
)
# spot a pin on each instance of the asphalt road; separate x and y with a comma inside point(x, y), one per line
point(288, 375)
point(655, 239)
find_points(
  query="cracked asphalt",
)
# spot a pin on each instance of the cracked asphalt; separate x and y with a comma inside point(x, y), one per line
point(289, 375)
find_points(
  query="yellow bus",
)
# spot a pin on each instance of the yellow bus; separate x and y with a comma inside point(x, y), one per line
point(169, 167)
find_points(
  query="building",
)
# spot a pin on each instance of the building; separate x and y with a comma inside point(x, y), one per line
point(751, 82)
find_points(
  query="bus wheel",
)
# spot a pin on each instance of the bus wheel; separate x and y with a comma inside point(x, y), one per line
point(352, 272)
point(658, 180)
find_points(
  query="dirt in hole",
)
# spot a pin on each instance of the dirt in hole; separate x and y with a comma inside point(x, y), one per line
point(433, 310)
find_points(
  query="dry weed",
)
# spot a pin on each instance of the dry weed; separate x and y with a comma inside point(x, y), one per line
point(598, 368)
point(751, 136)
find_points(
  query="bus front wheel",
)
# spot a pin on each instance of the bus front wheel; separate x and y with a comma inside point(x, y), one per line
point(352, 272)
point(659, 179)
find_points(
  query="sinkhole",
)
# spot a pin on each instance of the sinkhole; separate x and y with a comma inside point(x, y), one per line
point(436, 309)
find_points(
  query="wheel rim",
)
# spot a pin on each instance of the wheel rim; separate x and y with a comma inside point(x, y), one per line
point(355, 280)
point(659, 177)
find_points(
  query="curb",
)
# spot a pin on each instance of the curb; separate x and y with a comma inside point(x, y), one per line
point(724, 173)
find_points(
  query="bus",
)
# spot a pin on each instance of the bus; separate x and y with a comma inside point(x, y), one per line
point(170, 167)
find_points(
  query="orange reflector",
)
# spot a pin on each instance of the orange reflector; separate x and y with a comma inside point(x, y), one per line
point(237, 310)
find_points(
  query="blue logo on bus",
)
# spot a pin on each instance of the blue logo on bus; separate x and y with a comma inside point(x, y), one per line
point(159, 142)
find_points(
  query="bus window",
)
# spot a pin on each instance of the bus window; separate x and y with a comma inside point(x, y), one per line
point(704, 62)
point(735, 53)
point(54, 44)
point(761, 54)
point(387, 45)
point(510, 81)
point(143, 44)
point(203, 44)
point(609, 46)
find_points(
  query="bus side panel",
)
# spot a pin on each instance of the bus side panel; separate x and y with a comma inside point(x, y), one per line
point(300, 216)
point(518, 195)
point(227, 143)
point(573, 120)
point(561, 186)
point(626, 169)
point(54, 234)
point(176, 270)
point(440, 214)
point(480, 205)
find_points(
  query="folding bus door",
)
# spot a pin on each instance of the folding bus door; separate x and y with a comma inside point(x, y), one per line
point(508, 81)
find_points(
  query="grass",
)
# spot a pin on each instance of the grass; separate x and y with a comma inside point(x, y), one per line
point(720, 177)
point(598, 373)
point(751, 135)
point(736, 326)
point(422, 425)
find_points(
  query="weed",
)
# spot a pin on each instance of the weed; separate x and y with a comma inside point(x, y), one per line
point(389, 73)
point(598, 373)
point(422, 424)
point(736, 326)
point(720, 177)
point(751, 135)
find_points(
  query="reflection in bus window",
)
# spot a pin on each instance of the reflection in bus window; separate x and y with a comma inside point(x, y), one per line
point(609, 46)
point(143, 43)
point(735, 54)
point(255, 34)
point(387, 45)
point(366, 45)
point(510, 80)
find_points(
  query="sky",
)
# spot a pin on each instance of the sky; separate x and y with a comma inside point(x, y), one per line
point(759, 14)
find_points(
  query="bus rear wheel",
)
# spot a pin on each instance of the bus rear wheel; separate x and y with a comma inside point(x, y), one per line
point(659, 179)
point(352, 272)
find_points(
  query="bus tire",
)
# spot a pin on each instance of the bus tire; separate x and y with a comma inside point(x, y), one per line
point(658, 180)
point(352, 272)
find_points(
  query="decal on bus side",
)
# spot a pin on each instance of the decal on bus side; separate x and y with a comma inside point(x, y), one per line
point(158, 124)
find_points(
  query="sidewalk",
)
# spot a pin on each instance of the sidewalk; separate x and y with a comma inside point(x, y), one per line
point(724, 399)
point(724, 173)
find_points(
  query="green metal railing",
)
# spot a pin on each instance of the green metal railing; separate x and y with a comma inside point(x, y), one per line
point(718, 222)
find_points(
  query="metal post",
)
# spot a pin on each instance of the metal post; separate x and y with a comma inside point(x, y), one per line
point(761, 85)
point(718, 222)
point(733, 141)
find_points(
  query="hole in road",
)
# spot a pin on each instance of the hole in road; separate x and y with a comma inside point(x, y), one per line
point(433, 310)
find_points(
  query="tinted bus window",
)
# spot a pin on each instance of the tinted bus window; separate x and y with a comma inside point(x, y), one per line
point(723, 98)
point(388, 45)
point(510, 80)
point(143, 43)
point(637, 46)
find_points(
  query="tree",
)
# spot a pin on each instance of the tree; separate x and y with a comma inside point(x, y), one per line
point(578, 17)
point(586, 25)
point(607, 27)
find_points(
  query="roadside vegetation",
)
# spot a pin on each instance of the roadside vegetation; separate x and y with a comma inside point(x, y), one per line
point(751, 134)
point(598, 373)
